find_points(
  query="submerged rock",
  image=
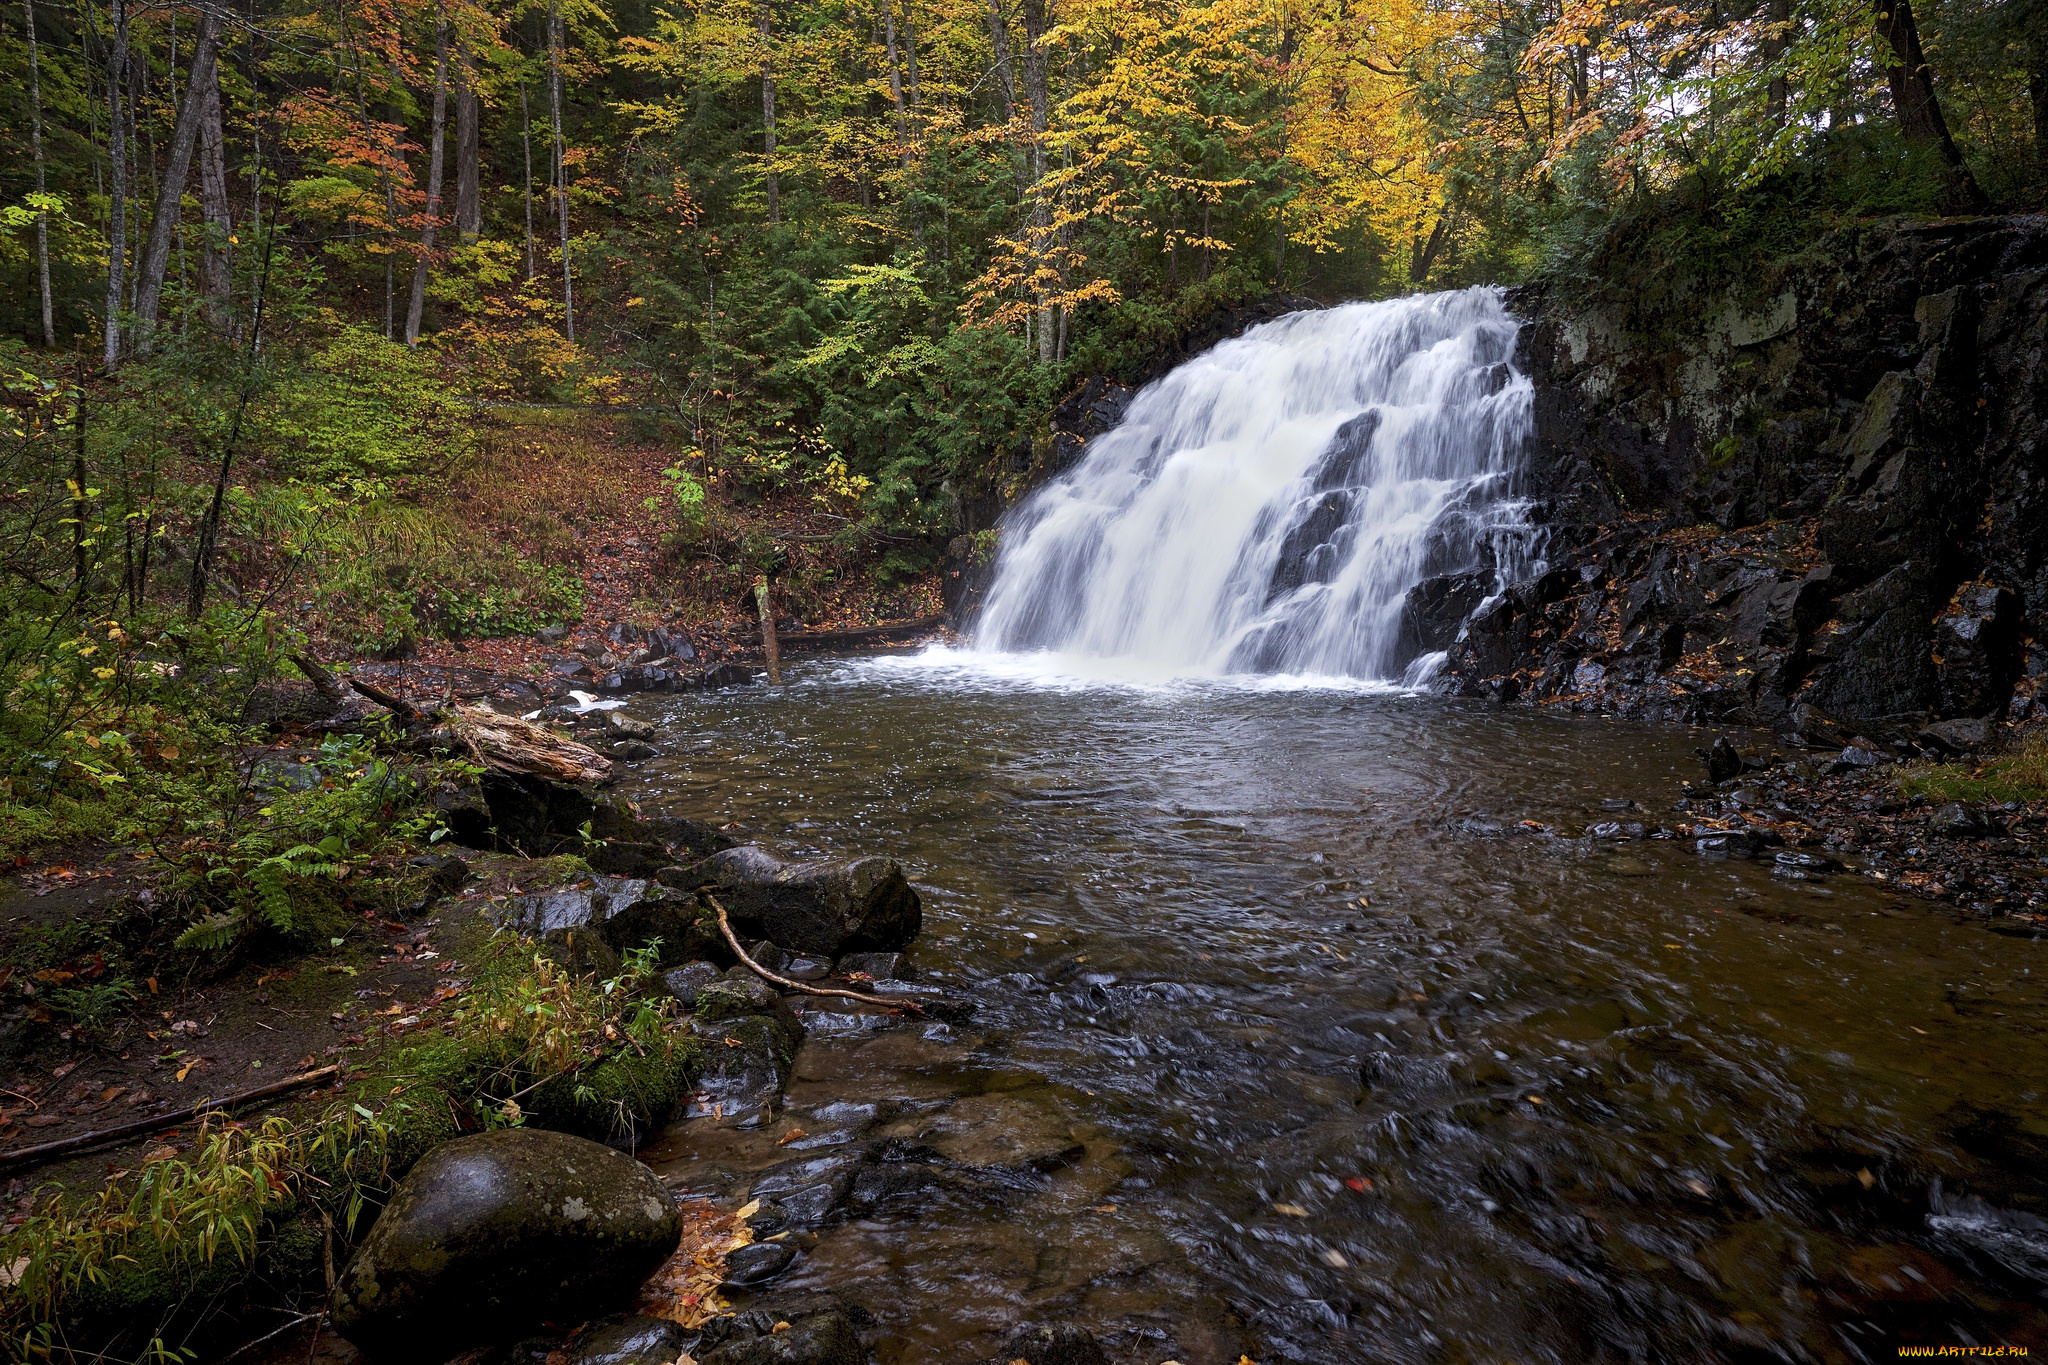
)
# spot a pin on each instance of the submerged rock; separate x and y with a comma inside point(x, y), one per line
point(492, 1235)
point(1055, 1344)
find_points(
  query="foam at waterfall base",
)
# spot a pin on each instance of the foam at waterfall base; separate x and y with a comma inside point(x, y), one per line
point(970, 669)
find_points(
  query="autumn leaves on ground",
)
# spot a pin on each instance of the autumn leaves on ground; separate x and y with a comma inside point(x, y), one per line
point(591, 495)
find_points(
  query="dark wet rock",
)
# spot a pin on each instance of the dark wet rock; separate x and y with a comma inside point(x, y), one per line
point(1965, 735)
point(806, 969)
point(736, 994)
point(593, 922)
point(1056, 1344)
point(552, 635)
point(684, 982)
point(1978, 650)
point(758, 1262)
point(769, 1218)
point(1435, 612)
point(1618, 831)
point(877, 966)
point(747, 1060)
point(629, 1339)
point(1859, 756)
point(489, 1236)
point(1740, 842)
point(685, 837)
point(619, 725)
point(637, 752)
point(1813, 864)
point(1957, 821)
point(786, 1329)
point(1723, 761)
point(769, 956)
point(823, 909)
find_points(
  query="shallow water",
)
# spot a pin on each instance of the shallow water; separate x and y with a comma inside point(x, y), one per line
point(1359, 1069)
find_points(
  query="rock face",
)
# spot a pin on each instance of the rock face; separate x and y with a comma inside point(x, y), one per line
point(1815, 498)
point(491, 1235)
point(823, 909)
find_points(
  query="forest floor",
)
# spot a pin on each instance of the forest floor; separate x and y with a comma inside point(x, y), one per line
point(585, 489)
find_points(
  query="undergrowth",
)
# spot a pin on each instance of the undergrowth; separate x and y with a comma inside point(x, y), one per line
point(134, 1271)
point(2018, 776)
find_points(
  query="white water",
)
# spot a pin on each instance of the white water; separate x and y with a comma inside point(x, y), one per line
point(1265, 508)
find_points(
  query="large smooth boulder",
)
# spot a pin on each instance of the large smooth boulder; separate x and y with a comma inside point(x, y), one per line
point(821, 908)
point(492, 1235)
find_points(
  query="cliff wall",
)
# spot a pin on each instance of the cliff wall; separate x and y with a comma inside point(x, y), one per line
point(1815, 497)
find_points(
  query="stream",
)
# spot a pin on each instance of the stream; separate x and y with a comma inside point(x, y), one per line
point(1331, 1059)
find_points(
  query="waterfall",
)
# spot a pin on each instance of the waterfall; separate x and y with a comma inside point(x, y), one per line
point(1266, 507)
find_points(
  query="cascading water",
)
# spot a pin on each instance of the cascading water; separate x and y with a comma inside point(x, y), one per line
point(1266, 507)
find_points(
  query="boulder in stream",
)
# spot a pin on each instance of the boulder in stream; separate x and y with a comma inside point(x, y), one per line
point(822, 909)
point(492, 1235)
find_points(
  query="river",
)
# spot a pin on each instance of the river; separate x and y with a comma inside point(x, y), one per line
point(1339, 1061)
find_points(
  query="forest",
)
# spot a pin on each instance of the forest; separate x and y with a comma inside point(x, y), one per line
point(424, 418)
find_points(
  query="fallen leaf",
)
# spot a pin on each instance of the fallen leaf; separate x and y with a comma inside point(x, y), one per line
point(1865, 1178)
point(42, 1120)
point(112, 1092)
point(1334, 1257)
point(1291, 1210)
point(1358, 1182)
point(65, 1070)
point(185, 1070)
point(791, 1136)
point(778, 1327)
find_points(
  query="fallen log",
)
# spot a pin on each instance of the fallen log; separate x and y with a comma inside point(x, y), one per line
point(502, 743)
point(45, 1151)
point(508, 744)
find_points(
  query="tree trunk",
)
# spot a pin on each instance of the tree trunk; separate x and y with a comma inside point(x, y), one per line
point(1423, 257)
point(1919, 112)
point(895, 79)
point(216, 279)
point(999, 42)
point(526, 145)
point(773, 182)
point(35, 135)
point(1036, 26)
point(439, 137)
point(556, 46)
point(1779, 94)
point(469, 202)
point(117, 187)
point(170, 195)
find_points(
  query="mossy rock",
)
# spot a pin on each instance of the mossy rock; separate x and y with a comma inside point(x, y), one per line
point(623, 1096)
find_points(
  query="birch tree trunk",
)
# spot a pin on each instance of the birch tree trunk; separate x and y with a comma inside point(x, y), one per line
point(418, 304)
point(170, 195)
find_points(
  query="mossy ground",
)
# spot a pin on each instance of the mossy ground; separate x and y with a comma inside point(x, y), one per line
point(199, 1234)
point(2021, 775)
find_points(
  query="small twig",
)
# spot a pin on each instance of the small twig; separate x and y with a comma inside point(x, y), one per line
point(43, 1151)
point(725, 927)
point(23, 1098)
point(297, 1318)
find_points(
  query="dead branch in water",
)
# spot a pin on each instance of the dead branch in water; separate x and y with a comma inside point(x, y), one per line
point(725, 927)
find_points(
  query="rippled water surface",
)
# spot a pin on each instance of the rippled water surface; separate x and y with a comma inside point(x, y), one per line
point(1359, 1069)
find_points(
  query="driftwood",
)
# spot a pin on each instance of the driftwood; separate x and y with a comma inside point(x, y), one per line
point(508, 744)
point(505, 744)
point(45, 1151)
point(732, 941)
